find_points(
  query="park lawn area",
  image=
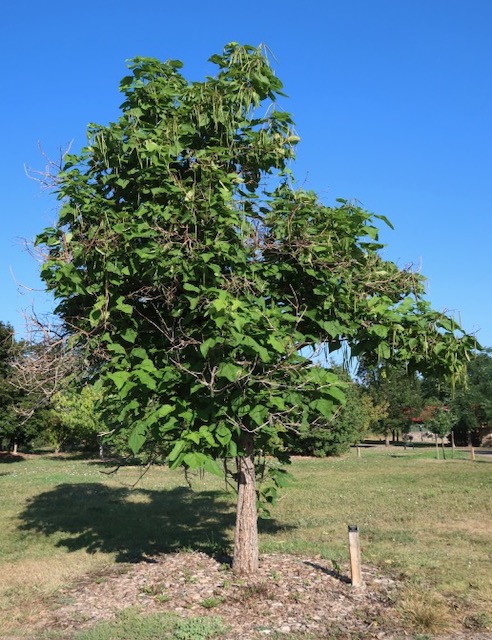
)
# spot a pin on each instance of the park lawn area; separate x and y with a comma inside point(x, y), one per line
point(427, 522)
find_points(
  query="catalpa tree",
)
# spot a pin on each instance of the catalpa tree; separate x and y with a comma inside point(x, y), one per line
point(198, 277)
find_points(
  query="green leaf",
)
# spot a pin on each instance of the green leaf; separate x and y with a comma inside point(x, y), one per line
point(208, 344)
point(137, 438)
point(193, 302)
point(278, 402)
point(125, 390)
point(229, 371)
point(150, 145)
point(193, 436)
point(129, 335)
point(207, 435)
point(258, 414)
point(380, 330)
point(123, 307)
point(146, 379)
point(332, 327)
point(384, 351)
point(257, 348)
point(119, 378)
point(223, 434)
point(385, 220)
point(447, 324)
point(337, 393)
point(139, 352)
point(187, 286)
point(114, 347)
point(211, 466)
point(147, 365)
point(276, 344)
point(167, 426)
point(197, 460)
point(324, 407)
point(179, 446)
point(281, 477)
point(372, 232)
point(219, 304)
point(165, 410)
point(193, 460)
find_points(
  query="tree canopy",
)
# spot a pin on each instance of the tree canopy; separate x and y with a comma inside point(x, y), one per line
point(197, 276)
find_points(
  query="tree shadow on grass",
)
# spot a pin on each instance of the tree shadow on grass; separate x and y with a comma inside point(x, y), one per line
point(7, 457)
point(134, 524)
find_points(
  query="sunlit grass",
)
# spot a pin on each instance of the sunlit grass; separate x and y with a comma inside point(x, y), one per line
point(419, 518)
point(413, 512)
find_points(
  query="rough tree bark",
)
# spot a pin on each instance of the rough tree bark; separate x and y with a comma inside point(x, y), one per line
point(245, 559)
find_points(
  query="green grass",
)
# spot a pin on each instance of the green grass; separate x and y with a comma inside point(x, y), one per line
point(131, 625)
point(426, 520)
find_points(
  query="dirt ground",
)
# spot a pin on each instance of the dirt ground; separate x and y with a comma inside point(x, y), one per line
point(289, 596)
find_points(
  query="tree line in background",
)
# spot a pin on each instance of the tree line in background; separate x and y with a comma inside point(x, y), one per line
point(383, 402)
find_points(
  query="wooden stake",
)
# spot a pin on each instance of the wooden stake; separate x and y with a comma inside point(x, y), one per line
point(354, 550)
point(472, 452)
point(358, 452)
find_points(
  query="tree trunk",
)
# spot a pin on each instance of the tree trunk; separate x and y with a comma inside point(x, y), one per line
point(245, 560)
point(387, 439)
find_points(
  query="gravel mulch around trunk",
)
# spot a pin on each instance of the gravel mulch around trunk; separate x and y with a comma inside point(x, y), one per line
point(290, 595)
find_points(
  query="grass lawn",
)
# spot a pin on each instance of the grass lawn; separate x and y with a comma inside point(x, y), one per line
point(427, 521)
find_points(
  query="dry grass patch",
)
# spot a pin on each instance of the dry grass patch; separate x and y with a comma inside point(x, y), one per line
point(424, 610)
point(28, 587)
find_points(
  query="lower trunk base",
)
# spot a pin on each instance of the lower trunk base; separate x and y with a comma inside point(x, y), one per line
point(245, 560)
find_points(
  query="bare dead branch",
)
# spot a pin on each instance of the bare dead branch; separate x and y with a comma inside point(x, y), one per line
point(48, 177)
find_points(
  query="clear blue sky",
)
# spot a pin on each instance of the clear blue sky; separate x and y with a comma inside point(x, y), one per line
point(392, 100)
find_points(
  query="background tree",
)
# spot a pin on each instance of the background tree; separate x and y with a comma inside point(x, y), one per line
point(194, 274)
point(440, 423)
point(74, 418)
point(8, 393)
point(472, 404)
point(16, 428)
point(349, 425)
point(46, 364)
point(398, 391)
